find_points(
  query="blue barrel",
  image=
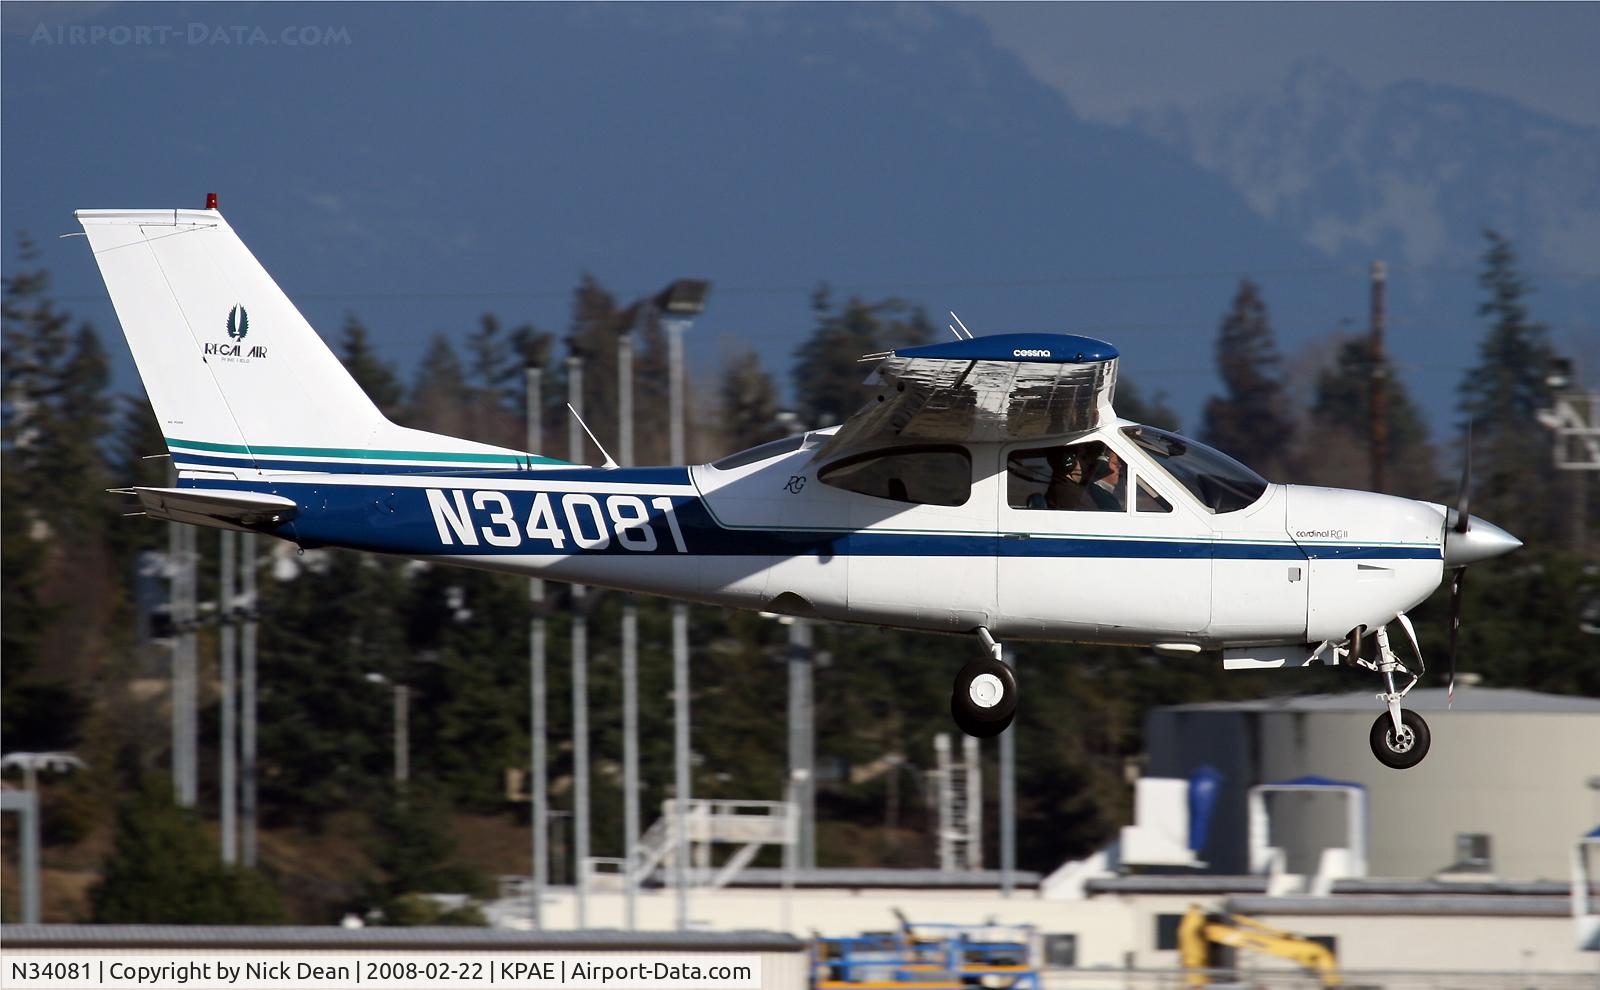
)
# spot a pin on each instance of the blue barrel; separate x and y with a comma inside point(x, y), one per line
point(1205, 787)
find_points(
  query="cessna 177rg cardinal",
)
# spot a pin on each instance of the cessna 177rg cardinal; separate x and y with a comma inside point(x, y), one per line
point(986, 489)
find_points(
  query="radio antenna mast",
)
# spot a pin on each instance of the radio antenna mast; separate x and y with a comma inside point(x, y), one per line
point(603, 452)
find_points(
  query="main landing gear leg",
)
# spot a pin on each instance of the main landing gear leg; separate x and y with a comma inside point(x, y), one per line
point(1399, 737)
point(983, 700)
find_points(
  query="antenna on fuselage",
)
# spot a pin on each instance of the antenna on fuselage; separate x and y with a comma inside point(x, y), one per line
point(603, 452)
point(963, 326)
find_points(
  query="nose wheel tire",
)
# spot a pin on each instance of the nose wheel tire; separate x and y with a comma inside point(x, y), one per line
point(978, 730)
point(1403, 750)
point(983, 700)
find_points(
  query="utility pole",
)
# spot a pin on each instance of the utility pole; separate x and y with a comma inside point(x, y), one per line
point(1008, 799)
point(539, 873)
point(680, 302)
point(402, 735)
point(1379, 385)
point(181, 608)
point(680, 642)
point(802, 739)
point(580, 672)
point(247, 714)
point(230, 691)
point(630, 657)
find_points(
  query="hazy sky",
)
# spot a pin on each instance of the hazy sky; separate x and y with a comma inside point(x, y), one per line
point(1540, 54)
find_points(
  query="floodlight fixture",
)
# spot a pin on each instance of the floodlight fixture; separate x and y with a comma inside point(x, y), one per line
point(684, 297)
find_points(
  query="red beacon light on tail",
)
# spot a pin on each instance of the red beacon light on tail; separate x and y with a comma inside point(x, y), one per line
point(211, 201)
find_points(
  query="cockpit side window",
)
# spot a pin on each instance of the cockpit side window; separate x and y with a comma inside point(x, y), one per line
point(1082, 477)
point(918, 475)
point(1149, 500)
point(1219, 482)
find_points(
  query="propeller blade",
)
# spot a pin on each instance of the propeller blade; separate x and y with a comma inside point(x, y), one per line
point(1455, 629)
point(1464, 492)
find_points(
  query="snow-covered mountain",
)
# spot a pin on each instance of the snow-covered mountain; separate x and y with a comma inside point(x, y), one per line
point(1410, 171)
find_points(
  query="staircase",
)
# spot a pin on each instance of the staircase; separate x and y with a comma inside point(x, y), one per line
point(958, 789)
point(749, 825)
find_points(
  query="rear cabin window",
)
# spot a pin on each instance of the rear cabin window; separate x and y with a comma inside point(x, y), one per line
point(916, 475)
point(762, 452)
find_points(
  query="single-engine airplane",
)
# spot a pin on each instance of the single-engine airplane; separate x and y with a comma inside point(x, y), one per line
point(986, 489)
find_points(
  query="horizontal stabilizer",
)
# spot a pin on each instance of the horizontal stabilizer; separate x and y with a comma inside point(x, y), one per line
point(215, 507)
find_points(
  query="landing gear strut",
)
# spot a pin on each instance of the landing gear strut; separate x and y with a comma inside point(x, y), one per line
point(1399, 738)
point(983, 700)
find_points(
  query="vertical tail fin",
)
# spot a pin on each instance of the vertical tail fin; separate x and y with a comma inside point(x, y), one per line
point(239, 380)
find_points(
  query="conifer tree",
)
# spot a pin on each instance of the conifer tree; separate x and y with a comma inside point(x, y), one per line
point(592, 336)
point(1341, 427)
point(375, 376)
point(827, 376)
point(163, 869)
point(1131, 404)
point(1501, 396)
point(749, 403)
point(438, 395)
point(1250, 421)
point(53, 381)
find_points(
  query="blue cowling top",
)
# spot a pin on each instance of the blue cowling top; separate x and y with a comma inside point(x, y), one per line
point(1061, 348)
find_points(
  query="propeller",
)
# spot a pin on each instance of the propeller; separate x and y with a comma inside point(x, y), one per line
point(1462, 524)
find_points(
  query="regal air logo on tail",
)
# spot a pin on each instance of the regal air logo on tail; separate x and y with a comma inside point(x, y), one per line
point(238, 327)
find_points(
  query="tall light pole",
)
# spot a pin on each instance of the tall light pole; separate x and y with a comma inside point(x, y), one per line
point(630, 655)
point(402, 728)
point(580, 672)
point(247, 713)
point(539, 874)
point(26, 805)
point(802, 739)
point(679, 303)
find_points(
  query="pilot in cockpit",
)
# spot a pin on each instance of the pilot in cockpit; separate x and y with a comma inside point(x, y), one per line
point(1083, 478)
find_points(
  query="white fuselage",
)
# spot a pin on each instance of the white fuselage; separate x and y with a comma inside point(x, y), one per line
point(1298, 565)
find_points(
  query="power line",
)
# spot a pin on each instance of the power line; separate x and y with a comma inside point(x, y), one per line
point(1102, 278)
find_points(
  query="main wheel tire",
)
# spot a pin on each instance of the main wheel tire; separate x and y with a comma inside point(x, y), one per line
point(984, 691)
point(979, 730)
point(1406, 750)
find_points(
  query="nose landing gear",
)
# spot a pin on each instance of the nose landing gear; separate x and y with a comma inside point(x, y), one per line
point(1399, 738)
point(983, 700)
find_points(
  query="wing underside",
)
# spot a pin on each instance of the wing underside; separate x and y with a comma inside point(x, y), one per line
point(920, 399)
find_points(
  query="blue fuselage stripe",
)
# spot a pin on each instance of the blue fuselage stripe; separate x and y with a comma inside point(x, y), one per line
point(400, 520)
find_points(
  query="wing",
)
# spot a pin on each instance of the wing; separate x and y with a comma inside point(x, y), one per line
point(998, 388)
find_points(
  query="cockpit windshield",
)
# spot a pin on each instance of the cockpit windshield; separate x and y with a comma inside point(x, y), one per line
point(1221, 483)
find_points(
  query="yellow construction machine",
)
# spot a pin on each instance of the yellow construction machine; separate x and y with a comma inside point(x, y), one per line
point(1200, 935)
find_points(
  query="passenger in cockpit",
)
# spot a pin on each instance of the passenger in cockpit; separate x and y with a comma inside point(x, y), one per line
point(1109, 488)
